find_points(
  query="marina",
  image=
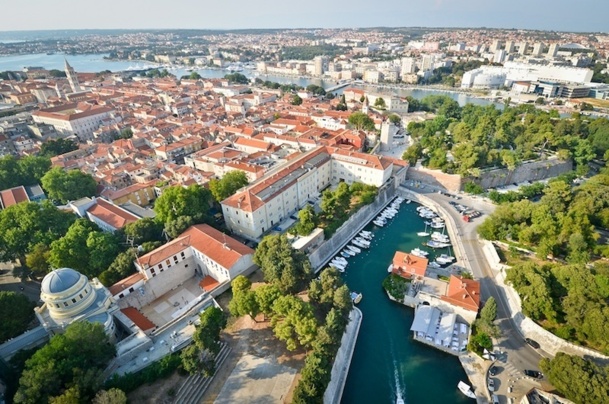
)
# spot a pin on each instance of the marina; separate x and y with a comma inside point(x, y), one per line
point(405, 370)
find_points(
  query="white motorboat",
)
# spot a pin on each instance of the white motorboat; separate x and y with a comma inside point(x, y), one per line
point(442, 238)
point(348, 252)
point(466, 389)
point(338, 267)
point(390, 268)
point(434, 264)
point(437, 244)
point(367, 236)
point(363, 241)
point(379, 223)
point(354, 249)
point(366, 233)
point(419, 252)
point(437, 225)
point(408, 201)
point(356, 297)
point(422, 234)
point(359, 244)
point(340, 260)
point(447, 257)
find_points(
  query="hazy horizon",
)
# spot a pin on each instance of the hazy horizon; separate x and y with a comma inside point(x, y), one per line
point(545, 15)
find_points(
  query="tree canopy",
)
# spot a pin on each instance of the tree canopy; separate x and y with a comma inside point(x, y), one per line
point(237, 78)
point(24, 225)
point(361, 121)
point(67, 186)
point(24, 171)
point(227, 185)
point(52, 148)
point(281, 264)
point(16, 311)
point(193, 201)
point(74, 359)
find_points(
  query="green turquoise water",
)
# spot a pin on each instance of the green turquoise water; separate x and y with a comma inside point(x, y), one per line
point(387, 361)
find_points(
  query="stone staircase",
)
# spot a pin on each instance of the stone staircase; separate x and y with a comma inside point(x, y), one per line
point(195, 385)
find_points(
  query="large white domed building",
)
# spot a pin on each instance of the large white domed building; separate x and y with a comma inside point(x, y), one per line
point(69, 296)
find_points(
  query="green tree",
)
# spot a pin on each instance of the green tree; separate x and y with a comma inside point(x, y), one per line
point(244, 299)
point(265, 296)
point(38, 260)
point(237, 78)
point(195, 76)
point(293, 322)
point(53, 148)
point(67, 186)
point(578, 379)
point(488, 313)
point(395, 119)
point(110, 396)
point(193, 201)
point(281, 264)
point(32, 169)
point(120, 268)
point(143, 230)
point(57, 73)
point(73, 359)
point(413, 153)
point(296, 100)
point(126, 133)
point(24, 225)
point(227, 185)
point(175, 227)
point(207, 333)
point(16, 312)
point(380, 103)
point(69, 396)
point(361, 121)
point(307, 221)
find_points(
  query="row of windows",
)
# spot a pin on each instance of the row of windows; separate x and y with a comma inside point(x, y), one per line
point(74, 300)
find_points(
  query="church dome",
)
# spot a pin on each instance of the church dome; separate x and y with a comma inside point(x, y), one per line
point(60, 280)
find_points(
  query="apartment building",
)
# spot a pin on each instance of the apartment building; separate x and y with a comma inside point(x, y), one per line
point(78, 119)
point(267, 202)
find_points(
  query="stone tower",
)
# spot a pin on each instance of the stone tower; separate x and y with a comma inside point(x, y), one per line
point(72, 78)
point(388, 129)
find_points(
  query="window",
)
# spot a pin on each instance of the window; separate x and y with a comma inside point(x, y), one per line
point(130, 289)
point(160, 266)
point(121, 296)
point(80, 296)
point(65, 304)
point(73, 300)
point(167, 262)
point(182, 254)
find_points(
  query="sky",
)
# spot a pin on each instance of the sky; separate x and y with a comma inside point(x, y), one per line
point(559, 15)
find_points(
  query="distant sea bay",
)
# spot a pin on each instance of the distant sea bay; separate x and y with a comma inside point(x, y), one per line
point(94, 63)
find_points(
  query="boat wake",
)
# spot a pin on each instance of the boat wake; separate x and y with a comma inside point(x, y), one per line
point(399, 396)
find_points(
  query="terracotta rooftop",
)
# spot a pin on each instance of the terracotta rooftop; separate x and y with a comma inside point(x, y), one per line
point(111, 214)
point(138, 318)
point(463, 293)
point(125, 284)
point(408, 265)
point(219, 247)
point(13, 196)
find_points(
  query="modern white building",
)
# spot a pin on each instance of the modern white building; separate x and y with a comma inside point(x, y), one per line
point(265, 203)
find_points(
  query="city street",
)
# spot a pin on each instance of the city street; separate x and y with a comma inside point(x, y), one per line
point(516, 355)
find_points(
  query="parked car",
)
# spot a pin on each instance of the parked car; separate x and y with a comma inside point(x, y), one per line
point(491, 384)
point(495, 399)
point(532, 343)
point(535, 374)
point(493, 370)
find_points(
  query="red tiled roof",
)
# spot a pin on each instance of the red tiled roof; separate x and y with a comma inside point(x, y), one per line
point(208, 283)
point(125, 284)
point(408, 265)
point(13, 196)
point(111, 214)
point(138, 318)
point(463, 293)
point(219, 247)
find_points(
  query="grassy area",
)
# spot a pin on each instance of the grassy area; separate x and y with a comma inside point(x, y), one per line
point(396, 286)
point(443, 278)
point(596, 102)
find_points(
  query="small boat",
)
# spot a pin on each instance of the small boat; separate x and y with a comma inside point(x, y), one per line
point(437, 244)
point(437, 225)
point(366, 234)
point(466, 389)
point(339, 268)
point(449, 258)
point(356, 297)
point(408, 201)
point(399, 400)
point(419, 253)
point(422, 234)
point(354, 249)
point(434, 265)
point(346, 254)
point(340, 260)
point(363, 241)
point(390, 268)
point(379, 223)
point(359, 244)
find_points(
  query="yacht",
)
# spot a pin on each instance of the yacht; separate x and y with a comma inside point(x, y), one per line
point(379, 223)
point(338, 267)
point(366, 236)
point(408, 201)
point(447, 257)
point(437, 225)
point(359, 244)
point(437, 244)
point(419, 253)
point(466, 389)
point(354, 249)
point(363, 241)
point(356, 297)
point(346, 254)
point(340, 260)
point(422, 234)
point(390, 268)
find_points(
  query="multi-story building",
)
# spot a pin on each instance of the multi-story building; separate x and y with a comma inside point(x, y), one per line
point(78, 119)
point(267, 202)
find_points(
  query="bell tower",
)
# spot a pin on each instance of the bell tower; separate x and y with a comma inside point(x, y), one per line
point(72, 78)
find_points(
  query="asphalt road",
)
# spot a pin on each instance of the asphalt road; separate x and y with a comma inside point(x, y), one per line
point(516, 355)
